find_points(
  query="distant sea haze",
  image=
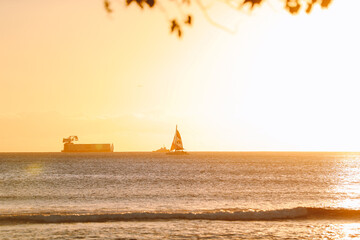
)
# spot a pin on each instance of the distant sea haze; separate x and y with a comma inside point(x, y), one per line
point(222, 195)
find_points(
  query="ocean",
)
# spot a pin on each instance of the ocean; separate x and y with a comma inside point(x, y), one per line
point(203, 195)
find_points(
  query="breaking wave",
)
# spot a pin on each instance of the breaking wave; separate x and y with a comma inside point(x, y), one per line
point(270, 215)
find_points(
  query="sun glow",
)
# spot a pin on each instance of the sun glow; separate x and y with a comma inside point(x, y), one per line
point(281, 82)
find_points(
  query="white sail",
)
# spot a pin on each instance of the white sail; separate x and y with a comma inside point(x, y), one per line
point(177, 142)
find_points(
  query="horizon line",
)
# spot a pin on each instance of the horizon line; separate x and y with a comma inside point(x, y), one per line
point(199, 151)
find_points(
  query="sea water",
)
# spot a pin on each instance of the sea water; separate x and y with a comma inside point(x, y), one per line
point(203, 195)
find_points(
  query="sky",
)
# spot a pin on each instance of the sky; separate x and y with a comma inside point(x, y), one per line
point(277, 82)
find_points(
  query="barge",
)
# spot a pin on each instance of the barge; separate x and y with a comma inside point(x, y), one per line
point(70, 146)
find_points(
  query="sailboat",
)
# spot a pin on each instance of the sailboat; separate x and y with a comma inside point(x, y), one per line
point(177, 145)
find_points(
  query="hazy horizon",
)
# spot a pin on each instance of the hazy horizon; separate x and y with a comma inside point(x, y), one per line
point(280, 83)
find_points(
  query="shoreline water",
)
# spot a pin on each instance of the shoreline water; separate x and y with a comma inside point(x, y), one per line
point(213, 195)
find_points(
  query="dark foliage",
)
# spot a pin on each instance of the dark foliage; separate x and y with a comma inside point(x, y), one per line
point(141, 3)
point(292, 6)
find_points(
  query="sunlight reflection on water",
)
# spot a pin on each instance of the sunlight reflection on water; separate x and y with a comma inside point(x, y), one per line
point(348, 183)
point(132, 182)
point(34, 168)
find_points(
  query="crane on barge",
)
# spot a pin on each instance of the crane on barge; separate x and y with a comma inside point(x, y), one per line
point(70, 139)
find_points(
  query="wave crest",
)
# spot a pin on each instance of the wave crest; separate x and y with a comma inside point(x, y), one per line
point(270, 215)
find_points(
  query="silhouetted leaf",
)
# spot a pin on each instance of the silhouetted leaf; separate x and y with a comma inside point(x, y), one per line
point(174, 25)
point(107, 6)
point(252, 2)
point(139, 2)
point(325, 3)
point(128, 2)
point(310, 5)
point(188, 20)
point(151, 3)
point(293, 6)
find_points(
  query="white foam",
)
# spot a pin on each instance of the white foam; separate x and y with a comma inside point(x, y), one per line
point(142, 216)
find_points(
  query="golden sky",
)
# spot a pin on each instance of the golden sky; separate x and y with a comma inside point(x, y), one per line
point(279, 83)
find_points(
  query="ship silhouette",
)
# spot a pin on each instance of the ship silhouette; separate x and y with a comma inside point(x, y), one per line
point(70, 146)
